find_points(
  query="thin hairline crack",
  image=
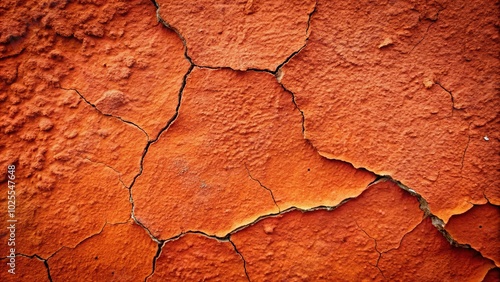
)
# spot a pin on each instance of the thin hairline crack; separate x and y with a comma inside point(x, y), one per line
point(104, 114)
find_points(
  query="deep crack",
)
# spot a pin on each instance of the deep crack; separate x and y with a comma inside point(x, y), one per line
point(48, 270)
point(186, 51)
point(297, 107)
point(423, 205)
point(146, 149)
point(277, 72)
point(155, 258)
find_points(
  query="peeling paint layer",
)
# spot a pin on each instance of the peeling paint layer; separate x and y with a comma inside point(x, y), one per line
point(343, 242)
point(225, 160)
point(250, 140)
point(407, 89)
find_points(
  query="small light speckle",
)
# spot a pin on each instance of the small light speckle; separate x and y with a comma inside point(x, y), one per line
point(486, 138)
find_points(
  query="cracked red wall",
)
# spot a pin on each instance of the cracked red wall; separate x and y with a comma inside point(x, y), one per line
point(251, 140)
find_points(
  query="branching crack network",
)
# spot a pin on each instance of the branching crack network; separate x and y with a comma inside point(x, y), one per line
point(438, 223)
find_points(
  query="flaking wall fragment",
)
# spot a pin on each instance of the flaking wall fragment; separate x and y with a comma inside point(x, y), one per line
point(239, 34)
point(228, 142)
point(68, 168)
point(423, 109)
point(424, 255)
point(186, 259)
point(27, 269)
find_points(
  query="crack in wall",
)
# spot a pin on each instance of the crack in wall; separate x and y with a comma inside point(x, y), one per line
point(146, 149)
point(301, 112)
point(82, 241)
point(260, 218)
point(402, 238)
point(192, 65)
point(423, 205)
point(226, 238)
point(263, 186)
point(155, 258)
point(276, 72)
point(35, 256)
point(46, 264)
point(110, 167)
point(375, 247)
point(241, 256)
point(465, 150)
point(453, 108)
point(167, 25)
point(437, 222)
point(104, 114)
point(423, 37)
point(77, 244)
point(428, 27)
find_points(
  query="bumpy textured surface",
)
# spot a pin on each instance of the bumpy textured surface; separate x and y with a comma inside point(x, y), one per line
point(105, 50)
point(72, 163)
point(424, 255)
point(407, 89)
point(187, 259)
point(342, 243)
point(27, 269)
point(225, 159)
point(239, 34)
point(120, 252)
point(307, 246)
point(249, 140)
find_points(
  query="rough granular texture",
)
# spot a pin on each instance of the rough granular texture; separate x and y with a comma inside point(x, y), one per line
point(239, 34)
point(102, 256)
point(187, 259)
point(27, 269)
point(424, 255)
point(479, 227)
point(249, 140)
point(407, 89)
